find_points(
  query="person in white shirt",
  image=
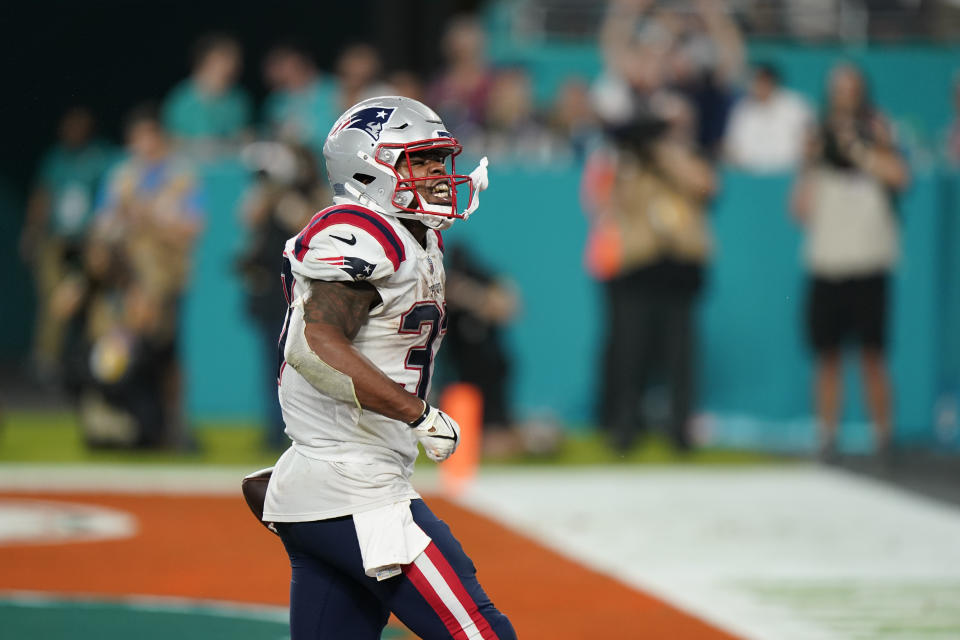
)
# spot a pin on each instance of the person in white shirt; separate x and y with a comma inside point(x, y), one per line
point(845, 198)
point(768, 127)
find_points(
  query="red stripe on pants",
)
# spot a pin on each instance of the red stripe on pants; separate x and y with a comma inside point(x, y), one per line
point(433, 599)
point(450, 576)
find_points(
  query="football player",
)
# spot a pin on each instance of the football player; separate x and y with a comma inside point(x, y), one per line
point(365, 285)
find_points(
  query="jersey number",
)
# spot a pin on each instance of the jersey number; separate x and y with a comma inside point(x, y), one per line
point(420, 357)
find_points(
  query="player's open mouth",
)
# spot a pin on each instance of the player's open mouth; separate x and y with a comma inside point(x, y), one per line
point(441, 191)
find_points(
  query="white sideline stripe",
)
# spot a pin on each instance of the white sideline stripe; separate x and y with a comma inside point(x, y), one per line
point(133, 479)
point(446, 595)
point(163, 604)
point(122, 478)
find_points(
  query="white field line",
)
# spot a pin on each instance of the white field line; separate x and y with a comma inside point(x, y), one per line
point(122, 479)
point(720, 543)
point(139, 479)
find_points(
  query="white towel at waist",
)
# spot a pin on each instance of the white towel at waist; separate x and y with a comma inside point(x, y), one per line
point(388, 538)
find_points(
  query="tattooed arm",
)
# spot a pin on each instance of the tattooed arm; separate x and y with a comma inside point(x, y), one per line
point(333, 314)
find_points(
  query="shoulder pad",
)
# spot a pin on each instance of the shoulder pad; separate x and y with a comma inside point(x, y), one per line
point(346, 243)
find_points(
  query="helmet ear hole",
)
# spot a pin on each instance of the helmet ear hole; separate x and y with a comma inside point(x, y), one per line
point(363, 178)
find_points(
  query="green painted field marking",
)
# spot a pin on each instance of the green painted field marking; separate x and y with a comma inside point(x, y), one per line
point(54, 436)
point(147, 619)
point(902, 609)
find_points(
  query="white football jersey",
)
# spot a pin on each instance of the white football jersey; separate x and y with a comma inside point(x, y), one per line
point(343, 460)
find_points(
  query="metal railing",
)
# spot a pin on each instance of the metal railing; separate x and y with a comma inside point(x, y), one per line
point(849, 21)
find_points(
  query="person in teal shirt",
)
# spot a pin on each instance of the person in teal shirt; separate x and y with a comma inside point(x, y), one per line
point(59, 214)
point(208, 106)
point(302, 105)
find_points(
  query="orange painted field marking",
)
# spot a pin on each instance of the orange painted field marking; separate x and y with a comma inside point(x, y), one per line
point(210, 547)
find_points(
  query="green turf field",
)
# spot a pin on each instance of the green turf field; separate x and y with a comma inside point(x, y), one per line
point(49, 436)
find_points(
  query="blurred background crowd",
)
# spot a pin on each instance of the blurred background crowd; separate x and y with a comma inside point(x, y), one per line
point(116, 209)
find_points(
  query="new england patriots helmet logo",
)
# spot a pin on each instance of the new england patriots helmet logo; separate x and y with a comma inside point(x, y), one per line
point(369, 120)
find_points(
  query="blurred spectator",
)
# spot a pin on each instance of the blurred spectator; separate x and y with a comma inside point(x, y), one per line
point(287, 192)
point(706, 63)
point(648, 47)
point(301, 106)
point(152, 207)
point(769, 126)
point(459, 93)
point(845, 198)
point(953, 133)
point(514, 130)
point(651, 242)
point(137, 267)
point(479, 306)
point(572, 118)
point(633, 68)
point(358, 76)
point(208, 108)
point(407, 84)
point(59, 213)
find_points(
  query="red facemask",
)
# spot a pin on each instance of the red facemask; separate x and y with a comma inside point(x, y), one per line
point(416, 202)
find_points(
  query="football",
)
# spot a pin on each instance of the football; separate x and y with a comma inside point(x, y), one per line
point(254, 488)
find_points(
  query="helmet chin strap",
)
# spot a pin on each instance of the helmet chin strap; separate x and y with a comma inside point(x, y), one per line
point(436, 222)
point(433, 222)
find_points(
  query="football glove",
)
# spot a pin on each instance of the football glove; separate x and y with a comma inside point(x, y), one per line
point(438, 432)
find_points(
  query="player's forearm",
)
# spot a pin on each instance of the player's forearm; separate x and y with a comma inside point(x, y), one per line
point(320, 347)
point(374, 390)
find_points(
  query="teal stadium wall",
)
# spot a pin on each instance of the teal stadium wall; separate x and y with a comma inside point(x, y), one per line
point(755, 370)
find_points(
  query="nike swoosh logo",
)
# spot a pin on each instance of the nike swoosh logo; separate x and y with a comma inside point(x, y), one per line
point(351, 241)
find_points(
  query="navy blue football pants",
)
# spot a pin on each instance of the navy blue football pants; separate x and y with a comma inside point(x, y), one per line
point(437, 596)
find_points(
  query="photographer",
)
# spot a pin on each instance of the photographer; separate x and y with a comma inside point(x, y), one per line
point(655, 212)
point(845, 198)
point(121, 308)
point(287, 192)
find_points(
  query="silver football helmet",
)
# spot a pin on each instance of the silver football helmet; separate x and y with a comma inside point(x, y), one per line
point(366, 145)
